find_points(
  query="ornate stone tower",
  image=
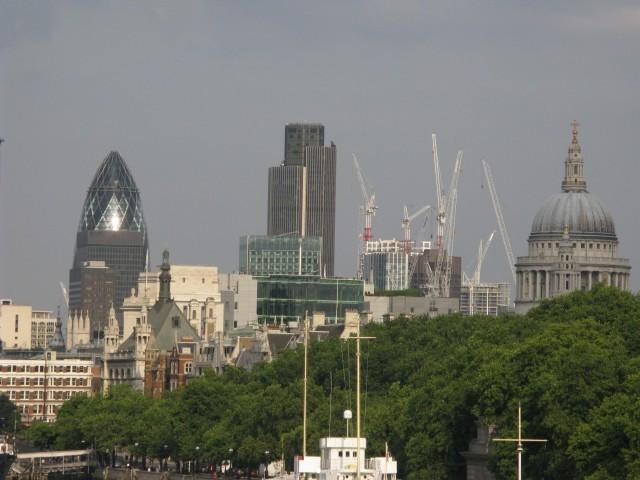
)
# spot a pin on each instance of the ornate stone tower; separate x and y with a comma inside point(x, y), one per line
point(574, 165)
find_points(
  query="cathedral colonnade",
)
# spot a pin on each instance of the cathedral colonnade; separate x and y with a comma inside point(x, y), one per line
point(538, 284)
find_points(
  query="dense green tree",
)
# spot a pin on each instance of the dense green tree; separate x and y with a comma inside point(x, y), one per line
point(572, 363)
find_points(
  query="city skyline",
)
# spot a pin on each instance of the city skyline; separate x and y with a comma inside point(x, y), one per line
point(503, 85)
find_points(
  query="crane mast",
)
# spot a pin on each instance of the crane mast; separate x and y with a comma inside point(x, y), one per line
point(369, 202)
point(406, 226)
point(482, 252)
point(441, 217)
point(452, 203)
point(501, 225)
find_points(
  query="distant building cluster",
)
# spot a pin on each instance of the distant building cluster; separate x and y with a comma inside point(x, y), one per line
point(156, 328)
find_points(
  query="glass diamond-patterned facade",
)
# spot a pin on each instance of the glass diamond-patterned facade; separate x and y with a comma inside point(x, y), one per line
point(113, 201)
point(112, 235)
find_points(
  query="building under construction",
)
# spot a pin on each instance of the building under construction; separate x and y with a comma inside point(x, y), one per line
point(485, 298)
point(386, 265)
point(426, 262)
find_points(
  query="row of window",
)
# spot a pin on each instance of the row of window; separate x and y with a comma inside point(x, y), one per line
point(347, 453)
point(39, 381)
point(41, 368)
point(583, 245)
point(60, 395)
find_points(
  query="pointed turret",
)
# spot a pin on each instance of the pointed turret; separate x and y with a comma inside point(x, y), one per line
point(574, 165)
point(142, 331)
point(57, 340)
point(111, 332)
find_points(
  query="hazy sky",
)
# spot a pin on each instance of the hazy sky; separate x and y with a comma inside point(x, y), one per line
point(195, 96)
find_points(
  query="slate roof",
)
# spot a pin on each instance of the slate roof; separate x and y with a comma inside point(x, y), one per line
point(165, 333)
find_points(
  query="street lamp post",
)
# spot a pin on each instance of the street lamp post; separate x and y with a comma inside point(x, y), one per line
point(265, 473)
point(228, 471)
point(195, 462)
point(166, 464)
point(83, 442)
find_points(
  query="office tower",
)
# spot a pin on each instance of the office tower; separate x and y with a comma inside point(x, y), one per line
point(302, 190)
point(297, 136)
point(93, 286)
point(111, 230)
point(284, 255)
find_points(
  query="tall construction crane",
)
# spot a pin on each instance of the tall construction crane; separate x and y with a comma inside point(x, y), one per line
point(474, 281)
point(483, 248)
point(441, 217)
point(368, 211)
point(369, 207)
point(406, 226)
point(482, 252)
point(442, 274)
point(498, 210)
point(65, 295)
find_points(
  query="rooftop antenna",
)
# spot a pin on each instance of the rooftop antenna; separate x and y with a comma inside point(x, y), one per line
point(519, 441)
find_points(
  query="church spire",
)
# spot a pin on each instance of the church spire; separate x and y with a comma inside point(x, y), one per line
point(165, 279)
point(573, 165)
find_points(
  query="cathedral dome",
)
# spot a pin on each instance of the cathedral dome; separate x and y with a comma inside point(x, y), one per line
point(583, 214)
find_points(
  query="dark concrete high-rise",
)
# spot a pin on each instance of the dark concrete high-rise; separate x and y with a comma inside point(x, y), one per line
point(112, 229)
point(297, 136)
point(302, 190)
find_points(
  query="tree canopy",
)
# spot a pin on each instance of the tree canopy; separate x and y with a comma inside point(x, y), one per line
point(572, 363)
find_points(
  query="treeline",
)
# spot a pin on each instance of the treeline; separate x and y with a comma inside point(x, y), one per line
point(573, 363)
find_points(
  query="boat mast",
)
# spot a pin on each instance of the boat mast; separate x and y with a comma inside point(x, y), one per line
point(519, 441)
point(358, 402)
point(357, 338)
point(304, 407)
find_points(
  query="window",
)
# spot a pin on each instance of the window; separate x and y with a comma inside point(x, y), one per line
point(340, 453)
point(203, 280)
point(193, 314)
point(17, 320)
point(347, 453)
point(188, 367)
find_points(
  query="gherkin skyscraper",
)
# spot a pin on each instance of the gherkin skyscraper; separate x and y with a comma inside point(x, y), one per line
point(111, 244)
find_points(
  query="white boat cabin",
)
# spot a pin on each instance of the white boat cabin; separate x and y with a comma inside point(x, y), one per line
point(339, 459)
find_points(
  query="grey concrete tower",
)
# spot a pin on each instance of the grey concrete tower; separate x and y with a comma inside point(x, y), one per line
point(302, 190)
point(573, 243)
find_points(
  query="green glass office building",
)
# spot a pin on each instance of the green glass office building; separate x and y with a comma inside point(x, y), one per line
point(284, 298)
point(280, 255)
